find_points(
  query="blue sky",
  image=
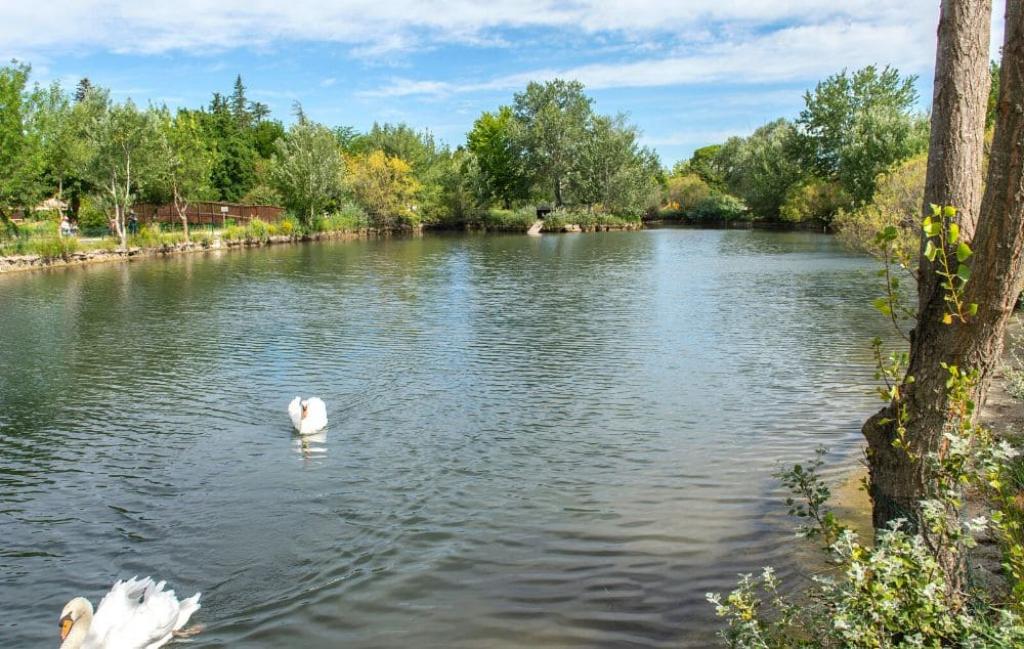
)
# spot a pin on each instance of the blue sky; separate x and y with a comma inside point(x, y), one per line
point(687, 72)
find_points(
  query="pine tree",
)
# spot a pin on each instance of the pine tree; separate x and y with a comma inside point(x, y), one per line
point(83, 89)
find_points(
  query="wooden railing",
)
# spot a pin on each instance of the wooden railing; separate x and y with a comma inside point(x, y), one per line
point(208, 213)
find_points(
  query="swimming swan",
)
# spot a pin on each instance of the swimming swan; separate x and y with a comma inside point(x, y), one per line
point(135, 614)
point(308, 416)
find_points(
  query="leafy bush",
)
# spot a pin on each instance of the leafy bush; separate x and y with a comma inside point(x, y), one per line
point(897, 202)
point(813, 199)
point(257, 230)
point(288, 225)
point(348, 217)
point(684, 192)
point(518, 220)
point(720, 207)
point(92, 220)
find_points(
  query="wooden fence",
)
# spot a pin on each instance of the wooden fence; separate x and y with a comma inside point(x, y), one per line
point(208, 213)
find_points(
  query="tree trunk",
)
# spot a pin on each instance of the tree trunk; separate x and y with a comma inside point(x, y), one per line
point(954, 177)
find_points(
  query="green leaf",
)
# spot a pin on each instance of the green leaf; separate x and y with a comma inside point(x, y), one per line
point(882, 305)
point(949, 211)
point(972, 308)
point(963, 251)
point(947, 319)
point(930, 251)
point(935, 209)
point(963, 272)
point(954, 232)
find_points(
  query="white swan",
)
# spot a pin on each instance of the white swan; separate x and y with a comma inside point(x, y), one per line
point(308, 416)
point(135, 614)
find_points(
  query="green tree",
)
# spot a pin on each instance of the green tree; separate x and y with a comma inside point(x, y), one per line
point(703, 162)
point(554, 115)
point(184, 162)
point(21, 159)
point(760, 169)
point(612, 170)
point(60, 125)
point(234, 167)
point(307, 170)
point(497, 142)
point(126, 145)
point(855, 126)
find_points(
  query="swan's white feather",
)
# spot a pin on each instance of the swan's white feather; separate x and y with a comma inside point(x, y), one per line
point(315, 419)
point(139, 614)
point(295, 412)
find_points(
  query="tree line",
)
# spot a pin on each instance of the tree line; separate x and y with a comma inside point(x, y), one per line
point(858, 135)
point(100, 157)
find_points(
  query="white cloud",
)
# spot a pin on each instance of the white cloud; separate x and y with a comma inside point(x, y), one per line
point(372, 26)
point(788, 54)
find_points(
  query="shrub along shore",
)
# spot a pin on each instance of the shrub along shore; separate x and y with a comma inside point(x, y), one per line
point(38, 247)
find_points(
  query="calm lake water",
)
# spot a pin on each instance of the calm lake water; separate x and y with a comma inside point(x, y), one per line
point(562, 441)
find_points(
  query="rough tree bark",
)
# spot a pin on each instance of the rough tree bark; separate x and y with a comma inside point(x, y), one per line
point(954, 177)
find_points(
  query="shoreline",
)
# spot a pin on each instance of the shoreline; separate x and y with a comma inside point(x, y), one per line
point(1001, 413)
point(26, 263)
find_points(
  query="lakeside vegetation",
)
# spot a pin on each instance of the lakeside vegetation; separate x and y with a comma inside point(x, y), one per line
point(851, 161)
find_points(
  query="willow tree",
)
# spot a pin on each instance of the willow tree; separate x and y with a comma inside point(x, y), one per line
point(992, 223)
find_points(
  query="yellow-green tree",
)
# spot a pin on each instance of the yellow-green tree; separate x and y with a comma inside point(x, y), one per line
point(386, 188)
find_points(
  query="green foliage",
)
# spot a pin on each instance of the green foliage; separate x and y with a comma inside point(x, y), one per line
point(720, 208)
point(993, 95)
point(760, 169)
point(308, 170)
point(349, 217)
point(813, 199)
point(684, 192)
point(498, 142)
point(855, 126)
point(463, 191)
point(613, 170)
point(896, 203)
point(704, 163)
point(586, 219)
point(554, 117)
point(21, 158)
point(942, 244)
point(518, 220)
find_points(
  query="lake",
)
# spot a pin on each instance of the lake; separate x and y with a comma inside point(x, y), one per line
point(562, 441)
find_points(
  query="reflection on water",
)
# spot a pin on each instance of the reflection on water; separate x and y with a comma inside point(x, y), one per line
point(311, 446)
point(545, 442)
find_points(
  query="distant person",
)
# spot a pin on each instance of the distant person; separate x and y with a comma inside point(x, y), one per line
point(65, 227)
point(133, 223)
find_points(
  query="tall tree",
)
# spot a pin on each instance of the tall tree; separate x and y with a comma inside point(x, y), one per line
point(555, 116)
point(900, 477)
point(497, 142)
point(240, 104)
point(613, 170)
point(83, 89)
point(125, 141)
point(183, 163)
point(307, 169)
point(857, 125)
point(20, 153)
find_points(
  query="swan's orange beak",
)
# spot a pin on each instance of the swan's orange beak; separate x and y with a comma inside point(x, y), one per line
point(65, 626)
point(305, 411)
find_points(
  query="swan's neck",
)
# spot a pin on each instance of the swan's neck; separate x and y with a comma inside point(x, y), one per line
point(79, 630)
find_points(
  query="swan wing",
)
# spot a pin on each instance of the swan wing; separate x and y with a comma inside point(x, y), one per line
point(140, 614)
point(316, 414)
point(295, 412)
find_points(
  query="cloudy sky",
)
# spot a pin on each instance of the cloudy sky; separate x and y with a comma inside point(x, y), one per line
point(688, 72)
